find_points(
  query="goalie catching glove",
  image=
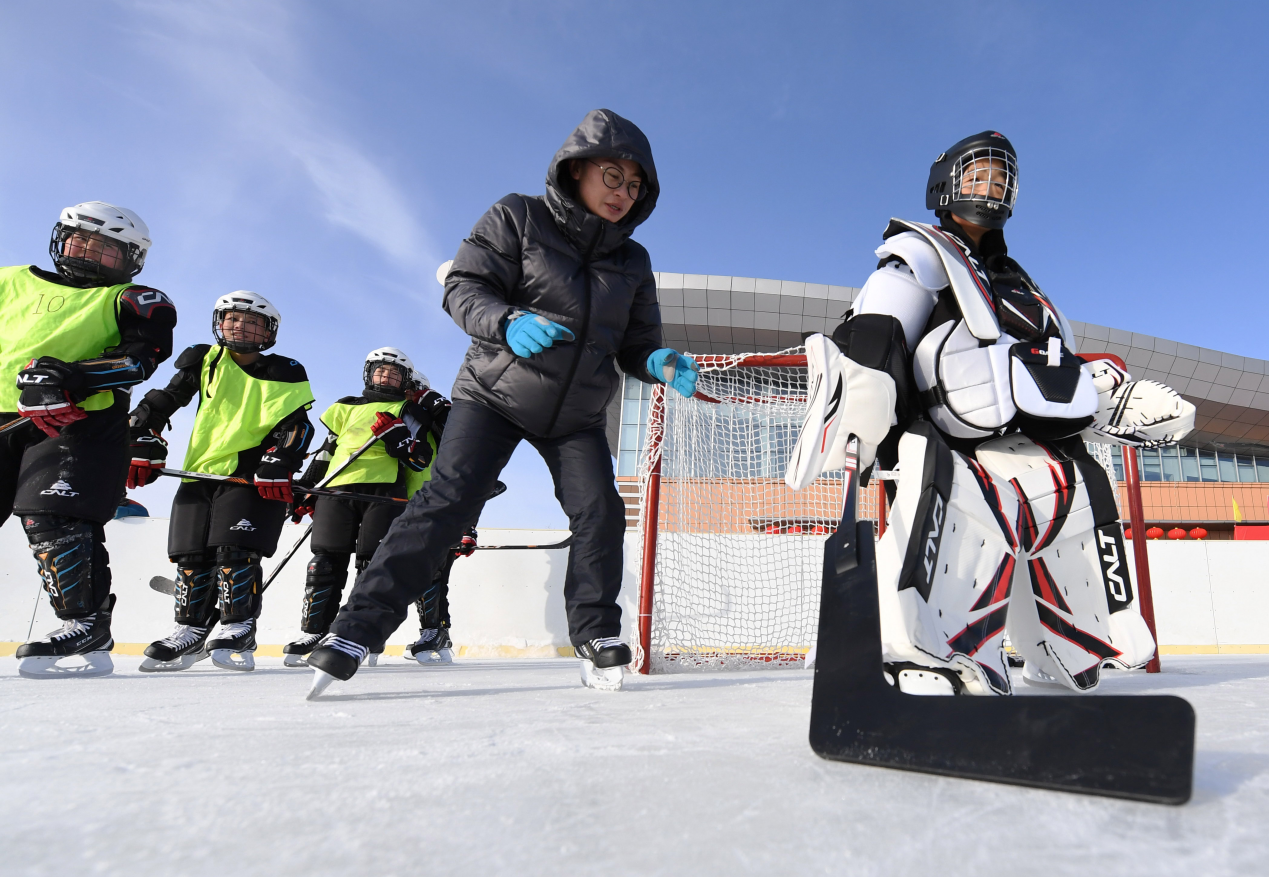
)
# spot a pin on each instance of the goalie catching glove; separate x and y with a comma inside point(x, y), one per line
point(846, 399)
point(1140, 414)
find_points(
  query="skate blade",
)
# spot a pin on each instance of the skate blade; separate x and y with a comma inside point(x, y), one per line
point(605, 679)
point(371, 659)
point(224, 658)
point(184, 662)
point(321, 682)
point(47, 666)
point(444, 656)
point(295, 660)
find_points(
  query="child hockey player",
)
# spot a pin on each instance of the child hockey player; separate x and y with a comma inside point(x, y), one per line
point(553, 293)
point(399, 408)
point(252, 422)
point(957, 367)
point(71, 344)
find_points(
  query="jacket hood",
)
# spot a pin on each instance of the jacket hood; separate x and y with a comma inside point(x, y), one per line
point(602, 134)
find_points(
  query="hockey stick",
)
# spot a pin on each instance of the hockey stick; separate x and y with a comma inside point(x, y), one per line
point(14, 424)
point(564, 544)
point(1138, 747)
point(313, 491)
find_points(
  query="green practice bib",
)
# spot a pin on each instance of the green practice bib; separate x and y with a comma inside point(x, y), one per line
point(42, 318)
point(236, 412)
point(352, 424)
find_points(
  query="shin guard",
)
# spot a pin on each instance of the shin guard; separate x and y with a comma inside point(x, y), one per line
point(195, 589)
point(238, 579)
point(323, 587)
point(73, 562)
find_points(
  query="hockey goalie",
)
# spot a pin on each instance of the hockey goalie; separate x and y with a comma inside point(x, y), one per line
point(956, 369)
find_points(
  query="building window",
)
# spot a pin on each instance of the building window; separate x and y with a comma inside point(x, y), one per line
point(1117, 457)
point(1150, 464)
point(1189, 464)
point(1228, 469)
point(636, 397)
point(1171, 464)
point(1207, 466)
point(1246, 468)
point(1262, 469)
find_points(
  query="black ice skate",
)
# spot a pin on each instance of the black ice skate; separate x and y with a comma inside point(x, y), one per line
point(335, 658)
point(295, 654)
point(234, 638)
point(604, 663)
point(88, 638)
point(179, 650)
point(433, 647)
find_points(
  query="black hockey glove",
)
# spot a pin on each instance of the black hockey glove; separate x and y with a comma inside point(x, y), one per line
point(394, 434)
point(149, 455)
point(273, 477)
point(50, 392)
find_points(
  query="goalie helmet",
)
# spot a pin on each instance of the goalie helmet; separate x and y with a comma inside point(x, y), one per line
point(396, 380)
point(976, 180)
point(244, 335)
point(98, 243)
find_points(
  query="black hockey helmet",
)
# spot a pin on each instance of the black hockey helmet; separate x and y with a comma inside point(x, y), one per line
point(976, 179)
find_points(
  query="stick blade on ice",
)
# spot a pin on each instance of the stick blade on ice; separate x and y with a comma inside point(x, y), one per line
point(163, 585)
point(1136, 747)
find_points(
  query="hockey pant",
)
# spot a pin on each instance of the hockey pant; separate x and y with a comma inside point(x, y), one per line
point(1021, 539)
point(341, 528)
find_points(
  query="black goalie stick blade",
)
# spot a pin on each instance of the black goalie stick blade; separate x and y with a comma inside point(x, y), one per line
point(1137, 747)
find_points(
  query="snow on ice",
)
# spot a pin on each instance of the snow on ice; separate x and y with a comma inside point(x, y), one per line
point(511, 767)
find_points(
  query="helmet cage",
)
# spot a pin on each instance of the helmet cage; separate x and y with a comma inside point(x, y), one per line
point(266, 338)
point(979, 168)
point(91, 270)
point(408, 383)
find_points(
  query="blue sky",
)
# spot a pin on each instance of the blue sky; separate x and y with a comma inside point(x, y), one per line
point(331, 155)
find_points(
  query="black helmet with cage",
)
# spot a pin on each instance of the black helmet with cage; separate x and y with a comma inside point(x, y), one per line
point(975, 180)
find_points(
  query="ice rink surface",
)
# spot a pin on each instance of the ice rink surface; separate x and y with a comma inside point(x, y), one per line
point(511, 767)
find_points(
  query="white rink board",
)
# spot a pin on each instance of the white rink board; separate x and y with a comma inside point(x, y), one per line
point(1207, 594)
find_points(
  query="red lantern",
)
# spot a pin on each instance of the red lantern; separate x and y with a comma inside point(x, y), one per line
point(1154, 533)
point(1127, 532)
point(1176, 533)
point(1198, 533)
point(795, 529)
point(772, 529)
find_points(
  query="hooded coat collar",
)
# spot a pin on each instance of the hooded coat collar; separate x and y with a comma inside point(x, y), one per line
point(602, 134)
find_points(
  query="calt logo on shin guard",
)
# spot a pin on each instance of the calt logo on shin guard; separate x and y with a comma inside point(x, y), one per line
point(1115, 576)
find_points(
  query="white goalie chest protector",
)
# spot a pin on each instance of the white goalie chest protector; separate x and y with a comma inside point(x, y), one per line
point(974, 377)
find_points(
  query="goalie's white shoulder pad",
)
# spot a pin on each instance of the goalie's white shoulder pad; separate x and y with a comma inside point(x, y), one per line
point(921, 257)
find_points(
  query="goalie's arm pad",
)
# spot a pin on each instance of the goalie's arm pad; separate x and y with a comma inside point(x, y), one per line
point(879, 342)
point(905, 285)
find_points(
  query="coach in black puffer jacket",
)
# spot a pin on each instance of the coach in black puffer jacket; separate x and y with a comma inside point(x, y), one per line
point(554, 294)
point(549, 255)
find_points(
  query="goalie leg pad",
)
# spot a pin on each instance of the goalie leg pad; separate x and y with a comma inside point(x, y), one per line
point(1060, 616)
point(945, 566)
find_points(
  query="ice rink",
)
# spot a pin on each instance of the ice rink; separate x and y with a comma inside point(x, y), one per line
point(511, 767)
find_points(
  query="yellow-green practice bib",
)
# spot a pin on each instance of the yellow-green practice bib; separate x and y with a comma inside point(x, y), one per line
point(353, 426)
point(42, 318)
point(236, 412)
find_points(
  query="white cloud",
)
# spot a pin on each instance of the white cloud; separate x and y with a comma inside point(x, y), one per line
point(245, 57)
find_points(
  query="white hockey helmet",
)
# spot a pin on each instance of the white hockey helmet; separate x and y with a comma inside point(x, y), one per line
point(411, 379)
point(248, 338)
point(95, 221)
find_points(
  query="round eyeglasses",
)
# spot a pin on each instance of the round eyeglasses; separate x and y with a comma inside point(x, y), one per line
point(615, 179)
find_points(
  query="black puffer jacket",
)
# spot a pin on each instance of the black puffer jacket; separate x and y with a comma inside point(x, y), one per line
point(549, 255)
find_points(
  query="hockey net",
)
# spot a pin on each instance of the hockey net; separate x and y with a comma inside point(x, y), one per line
point(731, 558)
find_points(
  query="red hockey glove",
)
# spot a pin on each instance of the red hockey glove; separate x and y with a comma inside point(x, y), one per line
point(149, 454)
point(304, 505)
point(46, 384)
point(383, 423)
point(273, 478)
point(468, 546)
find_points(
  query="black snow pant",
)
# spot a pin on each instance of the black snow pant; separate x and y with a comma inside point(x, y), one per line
point(476, 446)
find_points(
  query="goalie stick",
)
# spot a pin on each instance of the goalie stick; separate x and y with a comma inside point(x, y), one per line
point(1137, 747)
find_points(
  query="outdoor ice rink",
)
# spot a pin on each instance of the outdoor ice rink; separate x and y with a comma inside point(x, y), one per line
point(511, 767)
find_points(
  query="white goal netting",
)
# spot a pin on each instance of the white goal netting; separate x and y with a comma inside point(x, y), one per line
point(731, 558)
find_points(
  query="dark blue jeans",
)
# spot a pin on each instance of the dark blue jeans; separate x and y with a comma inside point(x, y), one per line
point(476, 446)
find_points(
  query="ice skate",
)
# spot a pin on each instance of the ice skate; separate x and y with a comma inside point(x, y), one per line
point(234, 638)
point(335, 658)
point(295, 654)
point(179, 650)
point(433, 647)
point(372, 659)
point(604, 663)
point(86, 638)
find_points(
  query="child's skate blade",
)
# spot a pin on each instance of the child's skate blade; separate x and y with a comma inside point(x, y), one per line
point(76, 667)
point(227, 659)
point(602, 679)
point(321, 682)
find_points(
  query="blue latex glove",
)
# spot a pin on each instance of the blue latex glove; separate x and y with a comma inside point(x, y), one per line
point(528, 334)
point(673, 368)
